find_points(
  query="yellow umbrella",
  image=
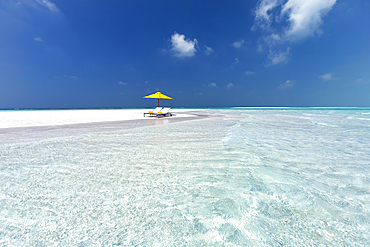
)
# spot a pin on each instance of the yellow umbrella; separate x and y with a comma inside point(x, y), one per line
point(157, 95)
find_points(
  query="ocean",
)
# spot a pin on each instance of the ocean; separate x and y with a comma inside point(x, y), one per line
point(235, 177)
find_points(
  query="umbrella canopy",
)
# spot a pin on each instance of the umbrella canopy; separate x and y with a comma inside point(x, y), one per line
point(157, 95)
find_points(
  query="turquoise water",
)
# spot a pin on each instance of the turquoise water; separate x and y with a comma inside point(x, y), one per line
point(242, 177)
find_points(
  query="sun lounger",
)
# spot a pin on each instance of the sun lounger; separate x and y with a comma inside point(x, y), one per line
point(154, 112)
point(165, 112)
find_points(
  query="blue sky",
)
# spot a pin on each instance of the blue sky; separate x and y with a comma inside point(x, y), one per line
point(101, 54)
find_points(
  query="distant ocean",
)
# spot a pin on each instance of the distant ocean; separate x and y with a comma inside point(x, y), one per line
point(240, 177)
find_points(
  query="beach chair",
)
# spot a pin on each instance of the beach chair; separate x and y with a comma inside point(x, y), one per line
point(165, 112)
point(154, 112)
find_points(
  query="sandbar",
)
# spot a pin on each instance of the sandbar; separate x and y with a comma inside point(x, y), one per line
point(26, 126)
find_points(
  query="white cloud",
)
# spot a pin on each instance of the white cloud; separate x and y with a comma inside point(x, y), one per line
point(305, 17)
point(249, 73)
point(182, 47)
point(236, 60)
point(362, 81)
point(297, 19)
point(38, 39)
point(212, 84)
point(259, 46)
point(272, 39)
point(229, 85)
point(122, 83)
point(287, 84)
point(51, 6)
point(277, 57)
point(238, 44)
point(327, 77)
point(209, 50)
point(263, 14)
point(288, 21)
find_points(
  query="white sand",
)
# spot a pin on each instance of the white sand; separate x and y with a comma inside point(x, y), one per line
point(11, 119)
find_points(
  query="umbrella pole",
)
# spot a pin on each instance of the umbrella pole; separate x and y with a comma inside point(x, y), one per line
point(158, 102)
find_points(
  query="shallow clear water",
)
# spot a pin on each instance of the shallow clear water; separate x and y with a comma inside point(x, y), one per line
point(243, 177)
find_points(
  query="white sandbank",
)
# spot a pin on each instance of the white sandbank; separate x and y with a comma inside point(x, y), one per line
point(31, 118)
